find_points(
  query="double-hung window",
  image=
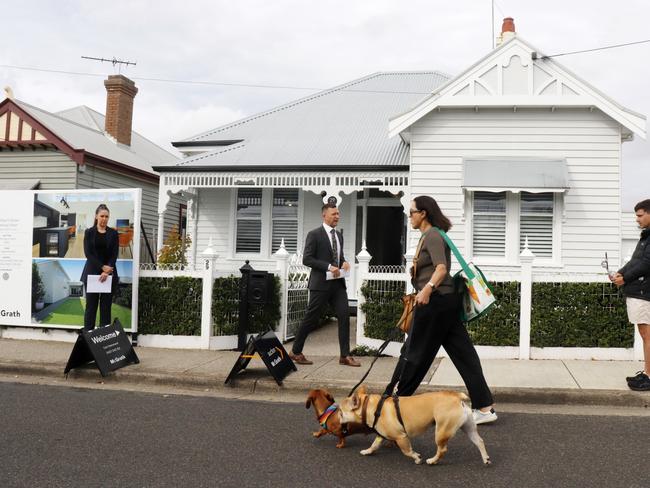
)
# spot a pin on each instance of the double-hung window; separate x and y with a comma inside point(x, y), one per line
point(502, 221)
point(489, 224)
point(266, 217)
point(284, 217)
point(249, 220)
point(536, 223)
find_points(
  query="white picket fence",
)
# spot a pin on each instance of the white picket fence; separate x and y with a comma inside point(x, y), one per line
point(294, 297)
point(375, 276)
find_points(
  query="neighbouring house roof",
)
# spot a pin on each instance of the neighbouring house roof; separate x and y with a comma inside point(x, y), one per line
point(345, 126)
point(559, 87)
point(81, 128)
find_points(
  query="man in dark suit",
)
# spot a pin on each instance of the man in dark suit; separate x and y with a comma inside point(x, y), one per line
point(323, 254)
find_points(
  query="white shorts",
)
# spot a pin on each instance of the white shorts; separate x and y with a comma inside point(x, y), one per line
point(638, 311)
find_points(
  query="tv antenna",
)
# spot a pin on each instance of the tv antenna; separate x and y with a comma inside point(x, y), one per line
point(115, 62)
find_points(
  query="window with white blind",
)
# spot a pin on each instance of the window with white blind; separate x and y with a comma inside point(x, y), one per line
point(536, 223)
point(284, 219)
point(502, 221)
point(249, 220)
point(489, 224)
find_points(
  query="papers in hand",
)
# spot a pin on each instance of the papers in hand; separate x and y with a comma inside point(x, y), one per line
point(342, 274)
point(95, 286)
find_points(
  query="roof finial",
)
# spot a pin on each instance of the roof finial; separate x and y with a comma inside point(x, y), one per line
point(9, 93)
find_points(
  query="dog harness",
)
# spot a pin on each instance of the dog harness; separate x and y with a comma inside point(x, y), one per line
point(322, 420)
point(380, 405)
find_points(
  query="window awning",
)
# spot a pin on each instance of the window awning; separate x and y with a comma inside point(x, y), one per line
point(19, 184)
point(515, 175)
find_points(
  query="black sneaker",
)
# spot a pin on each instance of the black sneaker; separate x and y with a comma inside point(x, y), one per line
point(641, 385)
point(639, 375)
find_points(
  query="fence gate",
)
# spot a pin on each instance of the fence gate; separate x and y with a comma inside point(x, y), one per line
point(297, 296)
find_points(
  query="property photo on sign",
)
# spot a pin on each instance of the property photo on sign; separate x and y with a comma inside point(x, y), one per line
point(73, 232)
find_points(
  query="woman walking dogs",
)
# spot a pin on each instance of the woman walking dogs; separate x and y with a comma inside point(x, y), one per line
point(437, 321)
point(101, 247)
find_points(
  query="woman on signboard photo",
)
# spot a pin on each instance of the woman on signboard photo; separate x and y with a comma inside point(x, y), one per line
point(101, 247)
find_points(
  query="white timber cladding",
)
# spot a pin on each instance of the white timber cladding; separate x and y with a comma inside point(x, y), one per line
point(590, 141)
point(52, 168)
point(96, 177)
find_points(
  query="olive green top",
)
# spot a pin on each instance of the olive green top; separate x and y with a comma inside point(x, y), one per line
point(432, 252)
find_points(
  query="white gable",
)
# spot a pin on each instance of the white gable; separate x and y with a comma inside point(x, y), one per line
point(516, 75)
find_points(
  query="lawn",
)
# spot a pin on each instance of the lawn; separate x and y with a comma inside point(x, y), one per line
point(71, 312)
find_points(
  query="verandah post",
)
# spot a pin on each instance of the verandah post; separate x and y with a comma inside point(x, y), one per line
point(209, 259)
point(364, 258)
point(282, 261)
point(526, 259)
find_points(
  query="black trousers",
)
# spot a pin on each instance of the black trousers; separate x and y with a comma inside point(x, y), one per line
point(104, 300)
point(337, 297)
point(438, 324)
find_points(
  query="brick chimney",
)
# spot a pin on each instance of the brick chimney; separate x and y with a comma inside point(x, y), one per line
point(507, 31)
point(120, 92)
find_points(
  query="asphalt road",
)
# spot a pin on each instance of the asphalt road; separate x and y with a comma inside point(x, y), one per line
point(58, 436)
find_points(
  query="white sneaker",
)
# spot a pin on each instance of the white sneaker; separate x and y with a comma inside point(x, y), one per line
point(484, 417)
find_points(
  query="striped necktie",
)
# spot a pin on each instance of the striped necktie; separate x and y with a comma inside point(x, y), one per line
point(335, 249)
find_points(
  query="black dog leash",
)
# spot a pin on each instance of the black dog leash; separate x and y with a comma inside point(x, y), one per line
point(379, 351)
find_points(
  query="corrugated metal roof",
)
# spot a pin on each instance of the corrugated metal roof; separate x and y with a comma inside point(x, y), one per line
point(343, 126)
point(81, 127)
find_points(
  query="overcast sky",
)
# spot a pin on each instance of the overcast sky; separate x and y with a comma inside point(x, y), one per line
point(307, 44)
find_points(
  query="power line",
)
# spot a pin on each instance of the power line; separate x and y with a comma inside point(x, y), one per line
point(289, 87)
point(211, 83)
point(595, 49)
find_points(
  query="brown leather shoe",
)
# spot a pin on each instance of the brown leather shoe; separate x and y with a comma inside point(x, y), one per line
point(349, 361)
point(300, 359)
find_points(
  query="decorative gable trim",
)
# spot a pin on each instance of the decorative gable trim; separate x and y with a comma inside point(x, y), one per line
point(514, 75)
point(18, 129)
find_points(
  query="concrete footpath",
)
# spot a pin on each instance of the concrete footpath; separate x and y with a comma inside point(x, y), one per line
point(512, 381)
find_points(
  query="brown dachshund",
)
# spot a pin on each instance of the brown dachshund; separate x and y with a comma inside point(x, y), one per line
point(327, 414)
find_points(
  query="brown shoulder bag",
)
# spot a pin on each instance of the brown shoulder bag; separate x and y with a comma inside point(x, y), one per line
point(408, 301)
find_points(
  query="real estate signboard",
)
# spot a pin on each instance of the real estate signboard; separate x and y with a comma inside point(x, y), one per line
point(42, 255)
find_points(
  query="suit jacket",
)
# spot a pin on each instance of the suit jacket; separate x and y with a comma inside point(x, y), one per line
point(318, 256)
point(93, 262)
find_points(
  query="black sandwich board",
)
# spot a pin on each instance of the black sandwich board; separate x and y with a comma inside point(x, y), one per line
point(271, 352)
point(108, 347)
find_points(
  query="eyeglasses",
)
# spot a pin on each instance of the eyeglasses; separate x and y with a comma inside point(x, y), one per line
point(411, 211)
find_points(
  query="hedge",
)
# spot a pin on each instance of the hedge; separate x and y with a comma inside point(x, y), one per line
point(500, 326)
point(173, 306)
point(382, 307)
point(169, 306)
point(562, 315)
point(579, 315)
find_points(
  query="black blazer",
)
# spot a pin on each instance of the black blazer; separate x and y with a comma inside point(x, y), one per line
point(93, 263)
point(318, 256)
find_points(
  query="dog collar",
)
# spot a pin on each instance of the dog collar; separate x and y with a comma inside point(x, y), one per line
point(322, 420)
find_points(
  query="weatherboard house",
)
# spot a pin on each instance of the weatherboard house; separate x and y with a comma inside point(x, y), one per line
point(80, 148)
point(515, 149)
